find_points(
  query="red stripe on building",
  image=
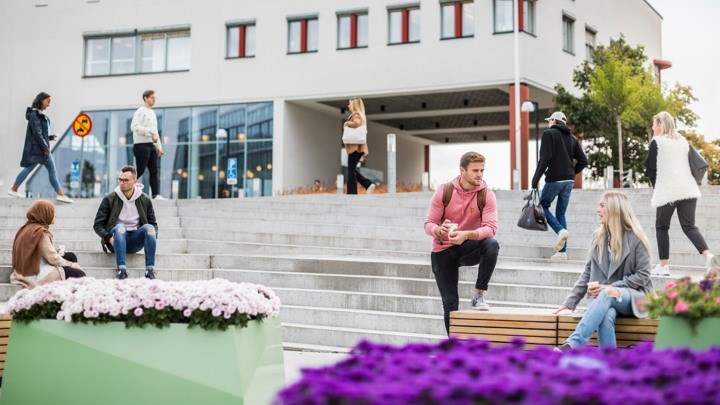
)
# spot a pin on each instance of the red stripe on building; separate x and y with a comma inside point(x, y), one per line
point(521, 15)
point(353, 30)
point(241, 41)
point(458, 19)
point(405, 25)
point(303, 35)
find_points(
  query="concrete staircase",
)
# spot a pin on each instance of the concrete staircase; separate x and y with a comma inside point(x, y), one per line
point(351, 267)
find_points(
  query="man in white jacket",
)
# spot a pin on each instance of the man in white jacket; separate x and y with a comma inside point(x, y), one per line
point(147, 147)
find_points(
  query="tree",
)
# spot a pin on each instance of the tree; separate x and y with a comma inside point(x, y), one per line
point(618, 97)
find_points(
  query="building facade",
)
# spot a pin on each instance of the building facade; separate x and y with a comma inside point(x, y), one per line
point(276, 76)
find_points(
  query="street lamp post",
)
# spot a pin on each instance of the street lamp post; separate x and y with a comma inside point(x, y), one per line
point(530, 106)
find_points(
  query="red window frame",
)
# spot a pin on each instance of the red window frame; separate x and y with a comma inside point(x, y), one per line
point(242, 40)
point(353, 28)
point(457, 17)
point(303, 32)
point(405, 25)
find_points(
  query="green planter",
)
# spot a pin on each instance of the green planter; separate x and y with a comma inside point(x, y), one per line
point(55, 362)
point(675, 332)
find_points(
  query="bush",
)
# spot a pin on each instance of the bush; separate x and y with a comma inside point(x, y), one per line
point(687, 299)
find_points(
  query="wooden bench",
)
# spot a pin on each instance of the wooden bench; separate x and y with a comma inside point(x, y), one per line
point(539, 327)
point(5, 320)
point(628, 331)
point(501, 325)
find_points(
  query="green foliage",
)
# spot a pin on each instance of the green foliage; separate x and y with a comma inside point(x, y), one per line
point(687, 299)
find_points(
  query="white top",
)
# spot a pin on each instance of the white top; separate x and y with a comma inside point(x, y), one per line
point(144, 122)
point(674, 180)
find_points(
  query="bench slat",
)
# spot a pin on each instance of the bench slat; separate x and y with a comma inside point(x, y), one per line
point(504, 324)
point(500, 316)
point(619, 321)
point(637, 337)
point(503, 331)
point(507, 339)
point(618, 328)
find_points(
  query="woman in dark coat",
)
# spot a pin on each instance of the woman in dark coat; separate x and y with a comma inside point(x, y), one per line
point(37, 148)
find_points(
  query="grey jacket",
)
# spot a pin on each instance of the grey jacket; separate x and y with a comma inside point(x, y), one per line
point(632, 271)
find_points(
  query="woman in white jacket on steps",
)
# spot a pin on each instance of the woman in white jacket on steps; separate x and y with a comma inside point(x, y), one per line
point(668, 169)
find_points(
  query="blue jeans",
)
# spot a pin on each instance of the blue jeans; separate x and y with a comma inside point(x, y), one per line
point(601, 316)
point(562, 191)
point(49, 164)
point(131, 242)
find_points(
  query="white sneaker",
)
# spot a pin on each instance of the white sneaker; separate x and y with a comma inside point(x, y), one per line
point(561, 239)
point(370, 189)
point(64, 199)
point(559, 256)
point(15, 194)
point(660, 270)
point(158, 197)
point(711, 262)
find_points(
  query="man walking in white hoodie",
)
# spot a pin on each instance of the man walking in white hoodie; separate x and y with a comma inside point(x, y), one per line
point(147, 147)
point(126, 223)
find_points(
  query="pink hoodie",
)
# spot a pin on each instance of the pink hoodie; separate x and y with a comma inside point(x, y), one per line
point(463, 211)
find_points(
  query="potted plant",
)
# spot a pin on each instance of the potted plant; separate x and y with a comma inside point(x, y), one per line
point(689, 313)
point(88, 341)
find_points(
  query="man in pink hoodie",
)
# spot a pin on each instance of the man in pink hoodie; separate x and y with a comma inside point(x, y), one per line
point(471, 243)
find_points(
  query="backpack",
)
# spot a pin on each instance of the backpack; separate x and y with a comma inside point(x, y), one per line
point(448, 190)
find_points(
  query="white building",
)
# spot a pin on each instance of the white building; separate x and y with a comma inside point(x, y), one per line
point(277, 74)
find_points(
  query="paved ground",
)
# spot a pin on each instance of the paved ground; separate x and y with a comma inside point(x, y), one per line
point(295, 361)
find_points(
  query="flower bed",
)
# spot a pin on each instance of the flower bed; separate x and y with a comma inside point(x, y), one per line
point(470, 372)
point(210, 304)
point(687, 299)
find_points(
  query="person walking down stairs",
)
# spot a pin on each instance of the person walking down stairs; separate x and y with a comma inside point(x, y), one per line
point(674, 187)
point(561, 158)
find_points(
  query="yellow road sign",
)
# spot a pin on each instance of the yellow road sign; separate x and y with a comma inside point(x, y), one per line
point(82, 125)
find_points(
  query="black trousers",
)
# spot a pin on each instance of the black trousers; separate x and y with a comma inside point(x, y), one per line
point(686, 215)
point(354, 175)
point(146, 157)
point(69, 271)
point(446, 264)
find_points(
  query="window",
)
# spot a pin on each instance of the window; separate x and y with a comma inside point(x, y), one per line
point(568, 24)
point(589, 44)
point(504, 16)
point(303, 35)
point(132, 53)
point(528, 16)
point(241, 40)
point(458, 19)
point(404, 25)
point(352, 30)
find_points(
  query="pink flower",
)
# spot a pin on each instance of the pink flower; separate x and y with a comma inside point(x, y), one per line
point(673, 295)
point(670, 285)
point(681, 307)
point(717, 300)
point(138, 311)
point(187, 312)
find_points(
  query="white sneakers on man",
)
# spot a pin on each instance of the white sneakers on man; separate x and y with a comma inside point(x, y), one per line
point(559, 256)
point(711, 262)
point(63, 199)
point(561, 239)
point(14, 194)
point(370, 189)
point(660, 270)
point(158, 197)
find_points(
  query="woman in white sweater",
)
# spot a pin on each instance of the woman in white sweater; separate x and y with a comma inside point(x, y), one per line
point(668, 169)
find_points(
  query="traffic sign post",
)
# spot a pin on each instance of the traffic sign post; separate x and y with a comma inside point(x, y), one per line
point(231, 175)
point(74, 174)
point(81, 127)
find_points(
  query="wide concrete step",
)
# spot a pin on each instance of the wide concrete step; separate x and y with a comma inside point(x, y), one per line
point(85, 222)
point(362, 319)
point(349, 337)
point(60, 235)
point(111, 272)
point(134, 261)
point(83, 211)
point(8, 290)
point(392, 285)
point(163, 245)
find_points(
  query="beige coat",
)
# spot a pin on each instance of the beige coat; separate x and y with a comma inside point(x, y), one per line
point(51, 267)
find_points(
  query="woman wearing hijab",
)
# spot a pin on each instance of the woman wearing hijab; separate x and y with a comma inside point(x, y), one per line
point(35, 260)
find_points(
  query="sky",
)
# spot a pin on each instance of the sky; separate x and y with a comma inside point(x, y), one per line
point(690, 31)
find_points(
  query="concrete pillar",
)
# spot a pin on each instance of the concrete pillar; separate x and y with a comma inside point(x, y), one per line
point(524, 136)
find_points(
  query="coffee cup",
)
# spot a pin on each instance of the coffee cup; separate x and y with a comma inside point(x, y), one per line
point(452, 227)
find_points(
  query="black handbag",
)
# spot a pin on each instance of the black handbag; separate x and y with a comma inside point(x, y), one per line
point(698, 165)
point(533, 216)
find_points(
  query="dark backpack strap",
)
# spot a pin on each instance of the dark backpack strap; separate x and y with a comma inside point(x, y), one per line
point(481, 200)
point(448, 189)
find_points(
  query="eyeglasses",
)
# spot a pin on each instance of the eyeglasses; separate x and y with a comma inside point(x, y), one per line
point(124, 181)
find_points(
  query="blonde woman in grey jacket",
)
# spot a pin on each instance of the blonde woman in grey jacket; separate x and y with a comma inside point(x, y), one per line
point(668, 170)
point(617, 275)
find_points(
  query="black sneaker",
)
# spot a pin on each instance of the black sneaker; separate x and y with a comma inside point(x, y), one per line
point(150, 274)
point(122, 275)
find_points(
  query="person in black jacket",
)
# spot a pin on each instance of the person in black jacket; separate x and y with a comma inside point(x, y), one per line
point(561, 158)
point(37, 148)
point(126, 223)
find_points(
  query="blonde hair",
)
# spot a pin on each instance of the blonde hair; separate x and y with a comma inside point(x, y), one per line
point(359, 106)
point(667, 125)
point(620, 219)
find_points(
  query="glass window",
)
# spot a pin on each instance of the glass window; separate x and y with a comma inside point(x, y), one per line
point(178, 50)
point(237, 34)
point(568, 35)
point(504, 15)
point(468, 19)
point(294, 28)
point(414, 28)
point(589, 44)
point(344, 33)
point(396, 26)
point(529, 16)
point(312, 35)
point(153, 52)
point(448, 20)
point(123, 55)
point(362, 27)
point(249, 40)
point(233, 42)
point(97, 56)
